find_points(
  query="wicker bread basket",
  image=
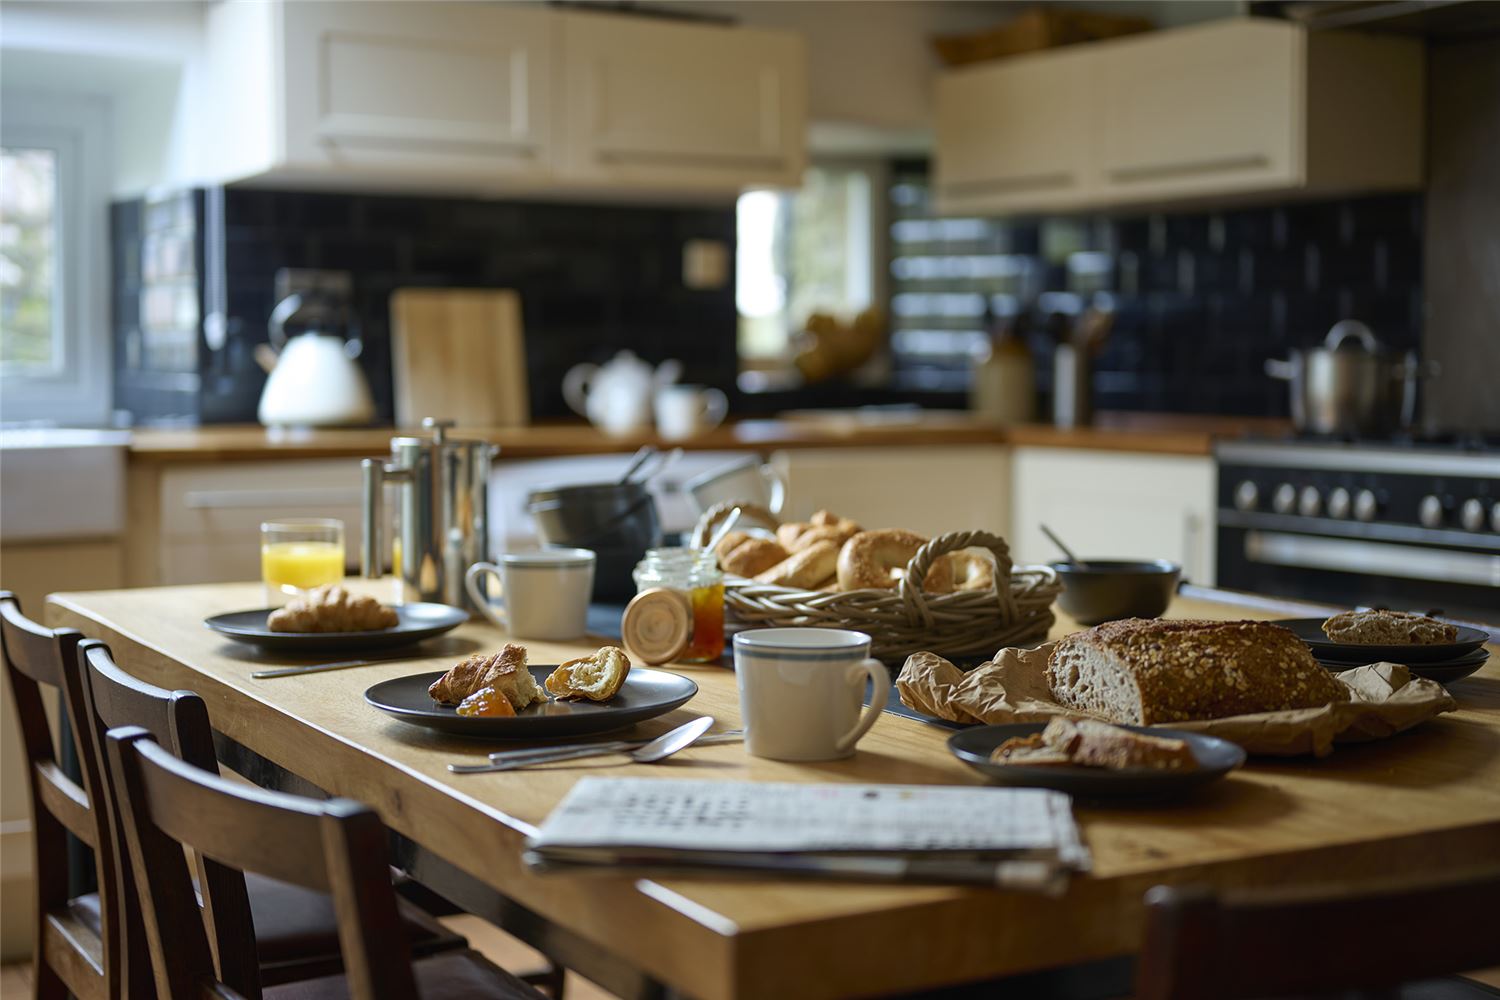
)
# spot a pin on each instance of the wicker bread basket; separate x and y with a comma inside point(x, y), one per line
point(905, 620)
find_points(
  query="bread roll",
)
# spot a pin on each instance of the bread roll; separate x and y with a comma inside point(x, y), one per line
point(729, 543)
point(804, 570)
point(755, 555)
point(1146, 671)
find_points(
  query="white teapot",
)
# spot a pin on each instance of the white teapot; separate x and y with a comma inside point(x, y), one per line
point(617, 396)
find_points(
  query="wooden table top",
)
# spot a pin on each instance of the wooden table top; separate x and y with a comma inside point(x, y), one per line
point(1159, 433)
point(1425, 803)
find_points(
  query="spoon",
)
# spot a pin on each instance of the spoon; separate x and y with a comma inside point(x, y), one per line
point(640, 458)
point(658, 749)
point(1065, 550)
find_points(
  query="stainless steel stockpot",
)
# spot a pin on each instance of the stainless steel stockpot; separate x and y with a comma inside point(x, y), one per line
point(1351, 385)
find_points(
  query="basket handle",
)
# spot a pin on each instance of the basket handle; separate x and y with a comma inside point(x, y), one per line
point(915, 600)
point(750, 513)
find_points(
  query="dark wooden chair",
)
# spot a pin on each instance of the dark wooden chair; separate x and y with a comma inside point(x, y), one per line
point(331, 846)
point(77, 938)
point(294, 930)
point(1199, 946)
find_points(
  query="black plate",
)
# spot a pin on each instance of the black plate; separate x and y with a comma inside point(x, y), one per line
point(645, 694)
point(1310, 631)
point(1444, 673)
point(418, 621)
point(1216, 758)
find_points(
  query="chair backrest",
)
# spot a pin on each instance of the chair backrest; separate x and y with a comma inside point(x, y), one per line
point(178, 721)
point(37, 658)
point(1201, 947)
point(334, 846)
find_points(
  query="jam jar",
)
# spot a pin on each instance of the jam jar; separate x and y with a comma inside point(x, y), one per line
point(678, 611)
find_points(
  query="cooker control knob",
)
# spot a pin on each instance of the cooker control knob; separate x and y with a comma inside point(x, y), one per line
point(1471, 515)
point(1430, 511)
point(1284, 499)
point(1365, 505)
point(1339, 502)
point(1309, 502)
point(1246, 495)
point(1495, 517)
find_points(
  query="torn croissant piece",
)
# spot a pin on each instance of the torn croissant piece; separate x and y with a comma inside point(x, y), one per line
point(505, 671)
point(331, 608)
point(597, 677)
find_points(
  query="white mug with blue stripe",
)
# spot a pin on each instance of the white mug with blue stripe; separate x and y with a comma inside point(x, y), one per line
point(801, 689)
point(542, 594)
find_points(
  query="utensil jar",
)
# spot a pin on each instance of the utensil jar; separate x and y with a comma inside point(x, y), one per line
point(443, 525)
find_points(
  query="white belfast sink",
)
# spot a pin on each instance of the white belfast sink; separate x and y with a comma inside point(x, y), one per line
point(59, 483)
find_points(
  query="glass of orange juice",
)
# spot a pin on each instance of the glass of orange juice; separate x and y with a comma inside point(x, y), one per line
point(300, 553)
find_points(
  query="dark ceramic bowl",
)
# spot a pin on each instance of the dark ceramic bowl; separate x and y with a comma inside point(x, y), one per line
point(1104, 590)
point(573, 515)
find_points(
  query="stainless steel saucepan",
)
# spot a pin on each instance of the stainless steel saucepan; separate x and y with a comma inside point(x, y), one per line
point(1351, 385)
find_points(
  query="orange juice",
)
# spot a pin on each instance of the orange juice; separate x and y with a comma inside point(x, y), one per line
point(301, 565)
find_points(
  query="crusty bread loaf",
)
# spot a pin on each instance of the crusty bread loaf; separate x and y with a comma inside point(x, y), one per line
point(1099, 744)
point(1381, 627)
point(1145, 671)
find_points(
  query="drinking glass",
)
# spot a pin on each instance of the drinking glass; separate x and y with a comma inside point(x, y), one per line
point(300, 553)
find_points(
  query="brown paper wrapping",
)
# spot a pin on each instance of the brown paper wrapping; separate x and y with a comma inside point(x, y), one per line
point(1384, 699)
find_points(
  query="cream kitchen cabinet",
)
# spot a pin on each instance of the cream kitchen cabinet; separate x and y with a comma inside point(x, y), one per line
point(690, 104)
point(1216, 111)
point(1120, 505)
point(200, 522)
point(494, 98)
point(982, 111)
point(927, 490)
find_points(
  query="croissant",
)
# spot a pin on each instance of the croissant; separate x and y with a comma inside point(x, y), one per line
point(506, 671)
point(332, 609)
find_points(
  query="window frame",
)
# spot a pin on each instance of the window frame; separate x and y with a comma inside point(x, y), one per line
point(77, 129)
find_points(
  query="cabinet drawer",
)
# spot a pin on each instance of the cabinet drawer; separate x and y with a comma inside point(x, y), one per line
point(228, 502)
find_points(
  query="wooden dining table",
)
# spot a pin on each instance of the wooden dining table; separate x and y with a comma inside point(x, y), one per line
point(1424, 804)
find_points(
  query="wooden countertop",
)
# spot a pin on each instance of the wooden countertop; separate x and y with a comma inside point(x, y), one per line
point(1424, 804)
point(1156, 433)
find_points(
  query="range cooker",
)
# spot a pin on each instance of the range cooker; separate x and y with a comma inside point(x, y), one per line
point(1412, 525)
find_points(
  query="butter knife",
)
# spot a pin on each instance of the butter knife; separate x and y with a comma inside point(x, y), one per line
point(318, 668)
point(505, 760)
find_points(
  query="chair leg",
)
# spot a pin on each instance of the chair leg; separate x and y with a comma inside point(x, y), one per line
point(46, 984)
point(551, 980)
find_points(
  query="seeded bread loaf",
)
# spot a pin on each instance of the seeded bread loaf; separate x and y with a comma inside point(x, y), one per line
point(1381, 627)
point(1145, 671)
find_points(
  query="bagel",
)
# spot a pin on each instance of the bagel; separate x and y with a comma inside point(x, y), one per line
point(804, 570)
point(752, 556)
point(876, 560)
point(750, 513)
point(971, 571)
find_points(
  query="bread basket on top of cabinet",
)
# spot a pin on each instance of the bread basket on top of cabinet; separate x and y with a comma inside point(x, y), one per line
point(906, 619)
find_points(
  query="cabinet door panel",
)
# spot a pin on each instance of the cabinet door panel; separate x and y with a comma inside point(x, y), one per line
point(1209, 109)
point(682, 100)
point(1014, 134)
point(438, 85)
point(1109, 505)
point(227, 503)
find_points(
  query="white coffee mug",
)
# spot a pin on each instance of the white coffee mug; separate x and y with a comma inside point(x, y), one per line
point(746, 479)
point(543, 594)
point(801, 688)
point(684, 411)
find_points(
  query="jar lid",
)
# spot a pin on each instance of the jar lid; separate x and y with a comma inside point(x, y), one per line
point(658, 624)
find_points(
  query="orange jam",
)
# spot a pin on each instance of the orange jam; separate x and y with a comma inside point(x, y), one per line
point(707, 642)
point(487, 701)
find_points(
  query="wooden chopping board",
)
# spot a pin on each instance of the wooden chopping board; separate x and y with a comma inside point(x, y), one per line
point(459, 354)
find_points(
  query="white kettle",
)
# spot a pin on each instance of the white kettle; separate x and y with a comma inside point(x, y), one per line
point(617, 396)
point(314, 380)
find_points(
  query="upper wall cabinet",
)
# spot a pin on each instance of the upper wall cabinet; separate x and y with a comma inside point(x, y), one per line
point(451, 88)
point(695, 104)
point(1215, 111)
point(489, 98)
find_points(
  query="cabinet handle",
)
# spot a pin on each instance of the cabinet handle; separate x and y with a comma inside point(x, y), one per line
point(1408, 562)
point(249, 499)
point(1215, 164)
point(1019, 182)
point(716, 160)
point(1191, 530)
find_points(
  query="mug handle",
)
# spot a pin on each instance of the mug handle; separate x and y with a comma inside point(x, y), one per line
point(777, 485)
point(471, 584)
point(880, 689)
point(715, 408)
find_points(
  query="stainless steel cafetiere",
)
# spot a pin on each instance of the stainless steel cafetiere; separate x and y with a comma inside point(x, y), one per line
point(444, 521)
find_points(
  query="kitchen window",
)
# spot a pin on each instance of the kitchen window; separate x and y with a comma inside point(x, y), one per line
point(54, 191)
point(806, 251)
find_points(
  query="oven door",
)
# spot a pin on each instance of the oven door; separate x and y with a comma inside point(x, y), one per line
point(1408, 575)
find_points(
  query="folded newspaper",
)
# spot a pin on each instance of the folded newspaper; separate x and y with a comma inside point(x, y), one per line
point(1017, 838)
